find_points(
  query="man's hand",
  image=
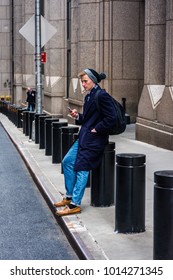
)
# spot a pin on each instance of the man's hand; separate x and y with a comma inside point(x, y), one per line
point(74, 113)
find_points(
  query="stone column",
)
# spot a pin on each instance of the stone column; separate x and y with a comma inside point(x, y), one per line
point(86, 23)
point(17, 54)
point(28, 51)
point(165, 108)
point(72, 44)
point(127, 54)
point(154, 71)
point(5, 49)
point(154, 78)
point(54, 68)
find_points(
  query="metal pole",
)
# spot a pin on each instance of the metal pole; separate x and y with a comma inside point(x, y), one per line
point(38, 74)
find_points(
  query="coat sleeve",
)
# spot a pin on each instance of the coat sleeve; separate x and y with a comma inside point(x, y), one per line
point(79, 120)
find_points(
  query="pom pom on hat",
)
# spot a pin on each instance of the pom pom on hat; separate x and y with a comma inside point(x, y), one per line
point(102, 76)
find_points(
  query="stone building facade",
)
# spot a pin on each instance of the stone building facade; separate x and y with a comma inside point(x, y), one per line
point(5, 48)
point(154, 123)
point(129, 40)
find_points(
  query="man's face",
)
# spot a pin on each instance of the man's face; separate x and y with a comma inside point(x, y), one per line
point(87, 83)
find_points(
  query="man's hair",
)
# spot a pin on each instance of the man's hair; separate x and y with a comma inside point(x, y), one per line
point(81, 74)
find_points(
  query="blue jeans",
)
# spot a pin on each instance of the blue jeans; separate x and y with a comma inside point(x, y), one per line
point(30, 107)
point(75, 181)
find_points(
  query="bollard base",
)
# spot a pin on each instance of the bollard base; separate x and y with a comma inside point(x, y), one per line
point(130, 231)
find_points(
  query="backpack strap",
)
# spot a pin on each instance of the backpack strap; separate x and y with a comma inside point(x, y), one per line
point(97, 102)
point(96, 99)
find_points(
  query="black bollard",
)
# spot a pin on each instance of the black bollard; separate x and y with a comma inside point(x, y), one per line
point(37, 127)
point(25, 123)
point(163, 215)
point(19, 117)
point(10, 112)
point(1, 106)
point(31, 119)
point(57, 141)
point(48, 135)
point(68, 137)
point(75, 136)
point(130, 193)
point(103, 179)
point(5, 107)
point(41, 130)
point(127, 117)
point(16, 115)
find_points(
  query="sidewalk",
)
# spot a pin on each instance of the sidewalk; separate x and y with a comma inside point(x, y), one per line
point(92, 232)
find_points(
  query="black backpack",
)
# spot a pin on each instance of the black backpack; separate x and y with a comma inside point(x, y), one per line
point(120, 125)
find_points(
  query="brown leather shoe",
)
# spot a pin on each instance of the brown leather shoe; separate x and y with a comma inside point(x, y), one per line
point(68, 211)
point(63, 202)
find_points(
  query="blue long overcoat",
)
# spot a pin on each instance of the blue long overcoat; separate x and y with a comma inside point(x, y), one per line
point(92, 145)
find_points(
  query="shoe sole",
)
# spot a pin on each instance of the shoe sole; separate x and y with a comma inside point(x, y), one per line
point(66, 214)
point(61, 205)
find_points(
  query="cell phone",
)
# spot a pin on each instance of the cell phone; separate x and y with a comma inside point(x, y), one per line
point(70, 109)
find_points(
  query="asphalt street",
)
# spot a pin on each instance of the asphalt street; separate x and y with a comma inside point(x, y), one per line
point(28, 229)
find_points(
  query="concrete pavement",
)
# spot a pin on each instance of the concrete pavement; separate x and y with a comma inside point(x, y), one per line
point(92, 232)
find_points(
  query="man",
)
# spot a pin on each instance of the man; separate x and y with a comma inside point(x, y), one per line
point(86, 152)
point(30, 99)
